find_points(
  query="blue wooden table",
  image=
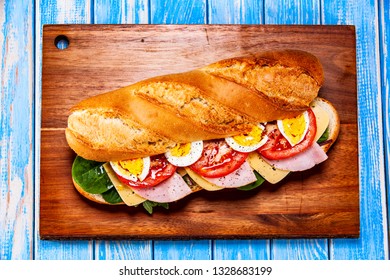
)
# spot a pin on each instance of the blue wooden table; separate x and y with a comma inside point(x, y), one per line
point(21, 24)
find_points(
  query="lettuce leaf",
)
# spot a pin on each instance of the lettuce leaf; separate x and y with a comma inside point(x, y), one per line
point(91, 176)
point(324, 136)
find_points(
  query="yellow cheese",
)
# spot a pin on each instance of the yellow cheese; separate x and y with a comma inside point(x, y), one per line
point(128, 196)
point(202, 182)
point(270, 173)
point(322, 119)
point(267, 171)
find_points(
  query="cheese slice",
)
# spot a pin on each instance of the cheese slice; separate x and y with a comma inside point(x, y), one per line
point(202, 182)
point(274, 175)
point(267, 171)
point(322, 119)
point(128, 196)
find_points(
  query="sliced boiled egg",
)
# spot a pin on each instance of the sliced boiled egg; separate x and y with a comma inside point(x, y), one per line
point(185, 154)
point(132, 169)
point(294, 129)
point(248, 142)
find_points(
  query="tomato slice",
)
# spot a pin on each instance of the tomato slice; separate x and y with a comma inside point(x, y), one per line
point(277, 146)
point(218, 159)
point(160, 170)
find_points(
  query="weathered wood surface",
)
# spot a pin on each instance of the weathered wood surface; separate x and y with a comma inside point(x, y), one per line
point(308, 204)
point(19, 222)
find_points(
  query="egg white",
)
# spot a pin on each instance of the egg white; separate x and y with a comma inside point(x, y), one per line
point(130, 176)
point(188, 159)
point(286, 134)
point(246, 148)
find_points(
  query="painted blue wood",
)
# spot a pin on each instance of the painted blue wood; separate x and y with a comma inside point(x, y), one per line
point(384, 27)
point(241, 250)
point(50, 12)
point(180, 12)
point(373, 241)
point(292, 12)
point(300, 249)
point(16, 132)
point(182, 250)
point(122, 12)
point(295, 12)
point(177, 11)
point(235, 12)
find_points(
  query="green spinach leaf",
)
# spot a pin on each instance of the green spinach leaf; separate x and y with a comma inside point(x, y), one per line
point(112, 196)
point(149, 205)
point(91, 176)
point(324, 136)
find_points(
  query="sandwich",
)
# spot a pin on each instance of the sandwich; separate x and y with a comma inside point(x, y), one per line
point(235, 123)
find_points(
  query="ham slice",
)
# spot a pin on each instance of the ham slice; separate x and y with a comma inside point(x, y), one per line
point(244, 175)
point(172, 189)
point(303, 161)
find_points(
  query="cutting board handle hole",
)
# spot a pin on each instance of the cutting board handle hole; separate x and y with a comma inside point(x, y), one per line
point(61, 42)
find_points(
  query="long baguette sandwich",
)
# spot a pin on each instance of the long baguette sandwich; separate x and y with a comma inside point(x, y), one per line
point(232, 124)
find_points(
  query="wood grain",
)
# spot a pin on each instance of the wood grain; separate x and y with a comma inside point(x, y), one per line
point(117, 12)
point(235, 12)
point(290, 209)
point(371, 164)
point(295, 12)
point(385, 60)
point(16, 131)
point(51, 12)
point(21, 96)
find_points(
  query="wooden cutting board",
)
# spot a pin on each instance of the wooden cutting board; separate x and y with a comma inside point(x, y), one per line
point(321, 202)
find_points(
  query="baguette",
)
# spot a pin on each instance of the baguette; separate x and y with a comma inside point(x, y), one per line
point(222, 99)
point(333, 132)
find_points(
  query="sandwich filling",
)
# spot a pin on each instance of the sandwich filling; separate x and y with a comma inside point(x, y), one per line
point(266, 153)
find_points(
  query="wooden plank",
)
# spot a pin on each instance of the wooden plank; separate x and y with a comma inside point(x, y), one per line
point(182, 250)
point(384, 23)
point(235, 12)
point(238, 12)
point(292, 12)
point(372, 243)
point(253, 249)
point(50, 12)
point(295, 12)
point(117, 12)
point(123, 250)
point(180, 12)
point(263, 215)
point(121, 11)
point(16, 130)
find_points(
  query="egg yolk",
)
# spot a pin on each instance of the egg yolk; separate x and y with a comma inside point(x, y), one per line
point(134, 166)
point(251, 138)
point(181, 150)
point(294, 128)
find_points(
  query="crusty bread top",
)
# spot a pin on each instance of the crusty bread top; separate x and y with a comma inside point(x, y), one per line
point(222, 99)
point(289, 78)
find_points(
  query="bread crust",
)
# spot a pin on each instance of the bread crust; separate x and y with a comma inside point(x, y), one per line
point(289, 79)
point(223, 99)
point(93, 197)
